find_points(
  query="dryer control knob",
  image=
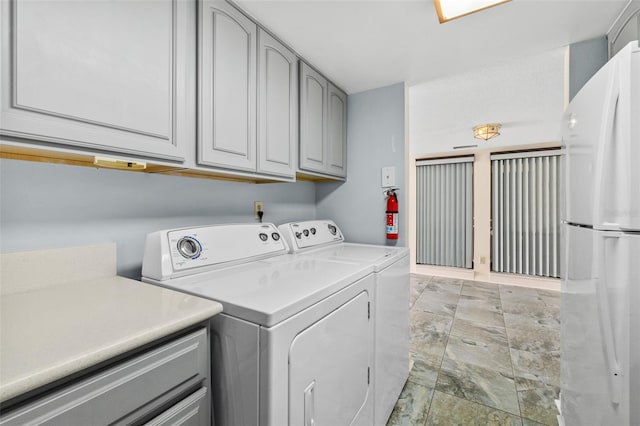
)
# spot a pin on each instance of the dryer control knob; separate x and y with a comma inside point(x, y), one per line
point(332, 229)
point(306, 232)
point(189, 247)
point(298, 235)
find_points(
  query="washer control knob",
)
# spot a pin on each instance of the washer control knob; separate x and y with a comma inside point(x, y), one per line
point(332, 229)
point(306, 232)
point(313, 231)
point(275, 236)
point(298, 235)
point(263, 236)
point(189, 247)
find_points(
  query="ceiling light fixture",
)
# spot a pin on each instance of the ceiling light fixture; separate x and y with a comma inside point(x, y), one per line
point(452, 9)
point(487, 131)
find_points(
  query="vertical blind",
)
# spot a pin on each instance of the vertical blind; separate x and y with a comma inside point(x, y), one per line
point(525, 213)
point(445, 212)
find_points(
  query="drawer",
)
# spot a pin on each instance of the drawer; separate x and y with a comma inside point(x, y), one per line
point(112, 394)
point(191, 411)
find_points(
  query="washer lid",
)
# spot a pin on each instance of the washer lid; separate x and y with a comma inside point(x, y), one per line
point(379, 256)
point(268, 292)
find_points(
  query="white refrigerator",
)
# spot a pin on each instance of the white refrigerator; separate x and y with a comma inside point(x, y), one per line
point(600, 300)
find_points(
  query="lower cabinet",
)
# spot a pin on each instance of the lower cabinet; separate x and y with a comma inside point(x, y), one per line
point(162, 386)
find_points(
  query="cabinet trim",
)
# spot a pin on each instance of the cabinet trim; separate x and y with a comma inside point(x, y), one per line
point(14, 84)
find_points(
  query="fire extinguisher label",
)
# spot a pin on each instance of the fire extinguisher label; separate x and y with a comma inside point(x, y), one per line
point(392, 223)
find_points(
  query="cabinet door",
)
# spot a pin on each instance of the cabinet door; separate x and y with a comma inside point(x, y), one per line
point(105, 75)
point(313, 118)
point(227, 106)
point(278, 107)
point(337, 132)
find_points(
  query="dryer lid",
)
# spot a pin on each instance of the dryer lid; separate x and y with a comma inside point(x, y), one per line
point(269, 291)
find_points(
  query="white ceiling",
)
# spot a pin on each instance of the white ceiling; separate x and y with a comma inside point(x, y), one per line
point(363, 44)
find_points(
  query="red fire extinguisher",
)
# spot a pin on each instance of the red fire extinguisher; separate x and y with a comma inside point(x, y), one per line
point(392, 214)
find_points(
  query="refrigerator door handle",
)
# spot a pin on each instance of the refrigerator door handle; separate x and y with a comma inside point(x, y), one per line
point(604, 141)
point(604, 314)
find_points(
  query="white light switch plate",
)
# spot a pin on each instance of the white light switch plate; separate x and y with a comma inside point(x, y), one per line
point(388, 176)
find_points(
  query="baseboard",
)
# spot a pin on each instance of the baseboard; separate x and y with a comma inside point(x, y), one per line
point(542, 283)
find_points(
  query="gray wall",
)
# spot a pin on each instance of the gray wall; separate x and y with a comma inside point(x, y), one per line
point(375, 138)
point(52, 205)
point(585, 59)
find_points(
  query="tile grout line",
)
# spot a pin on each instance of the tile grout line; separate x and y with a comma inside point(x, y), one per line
point(490, 407)
point(453, 318)
point(513, 370)
point(543, 380)
point(434, 388)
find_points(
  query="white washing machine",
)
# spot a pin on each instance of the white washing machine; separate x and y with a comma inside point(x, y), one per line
point(294, 344)
point(323, 240)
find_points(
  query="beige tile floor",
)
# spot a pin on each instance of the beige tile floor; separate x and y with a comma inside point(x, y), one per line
point(483, 354)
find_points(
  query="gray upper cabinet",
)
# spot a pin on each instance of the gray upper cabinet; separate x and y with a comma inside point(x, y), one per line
point(103, 75)
point(248, 95)
point(313, 118)
point(135, 78)
point(227, 103)
point(277, 107)
point(337, 132)
point(323, 112)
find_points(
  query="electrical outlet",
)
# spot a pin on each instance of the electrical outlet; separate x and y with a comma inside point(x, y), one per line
point(257, 207)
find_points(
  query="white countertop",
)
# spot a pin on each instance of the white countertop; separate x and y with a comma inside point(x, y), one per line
point(49, 332)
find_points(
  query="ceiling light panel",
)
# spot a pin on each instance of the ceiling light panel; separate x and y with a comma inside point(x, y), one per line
point(452, 9)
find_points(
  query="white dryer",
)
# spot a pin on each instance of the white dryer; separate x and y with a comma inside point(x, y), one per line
point(323, 240)
point(294, 344)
